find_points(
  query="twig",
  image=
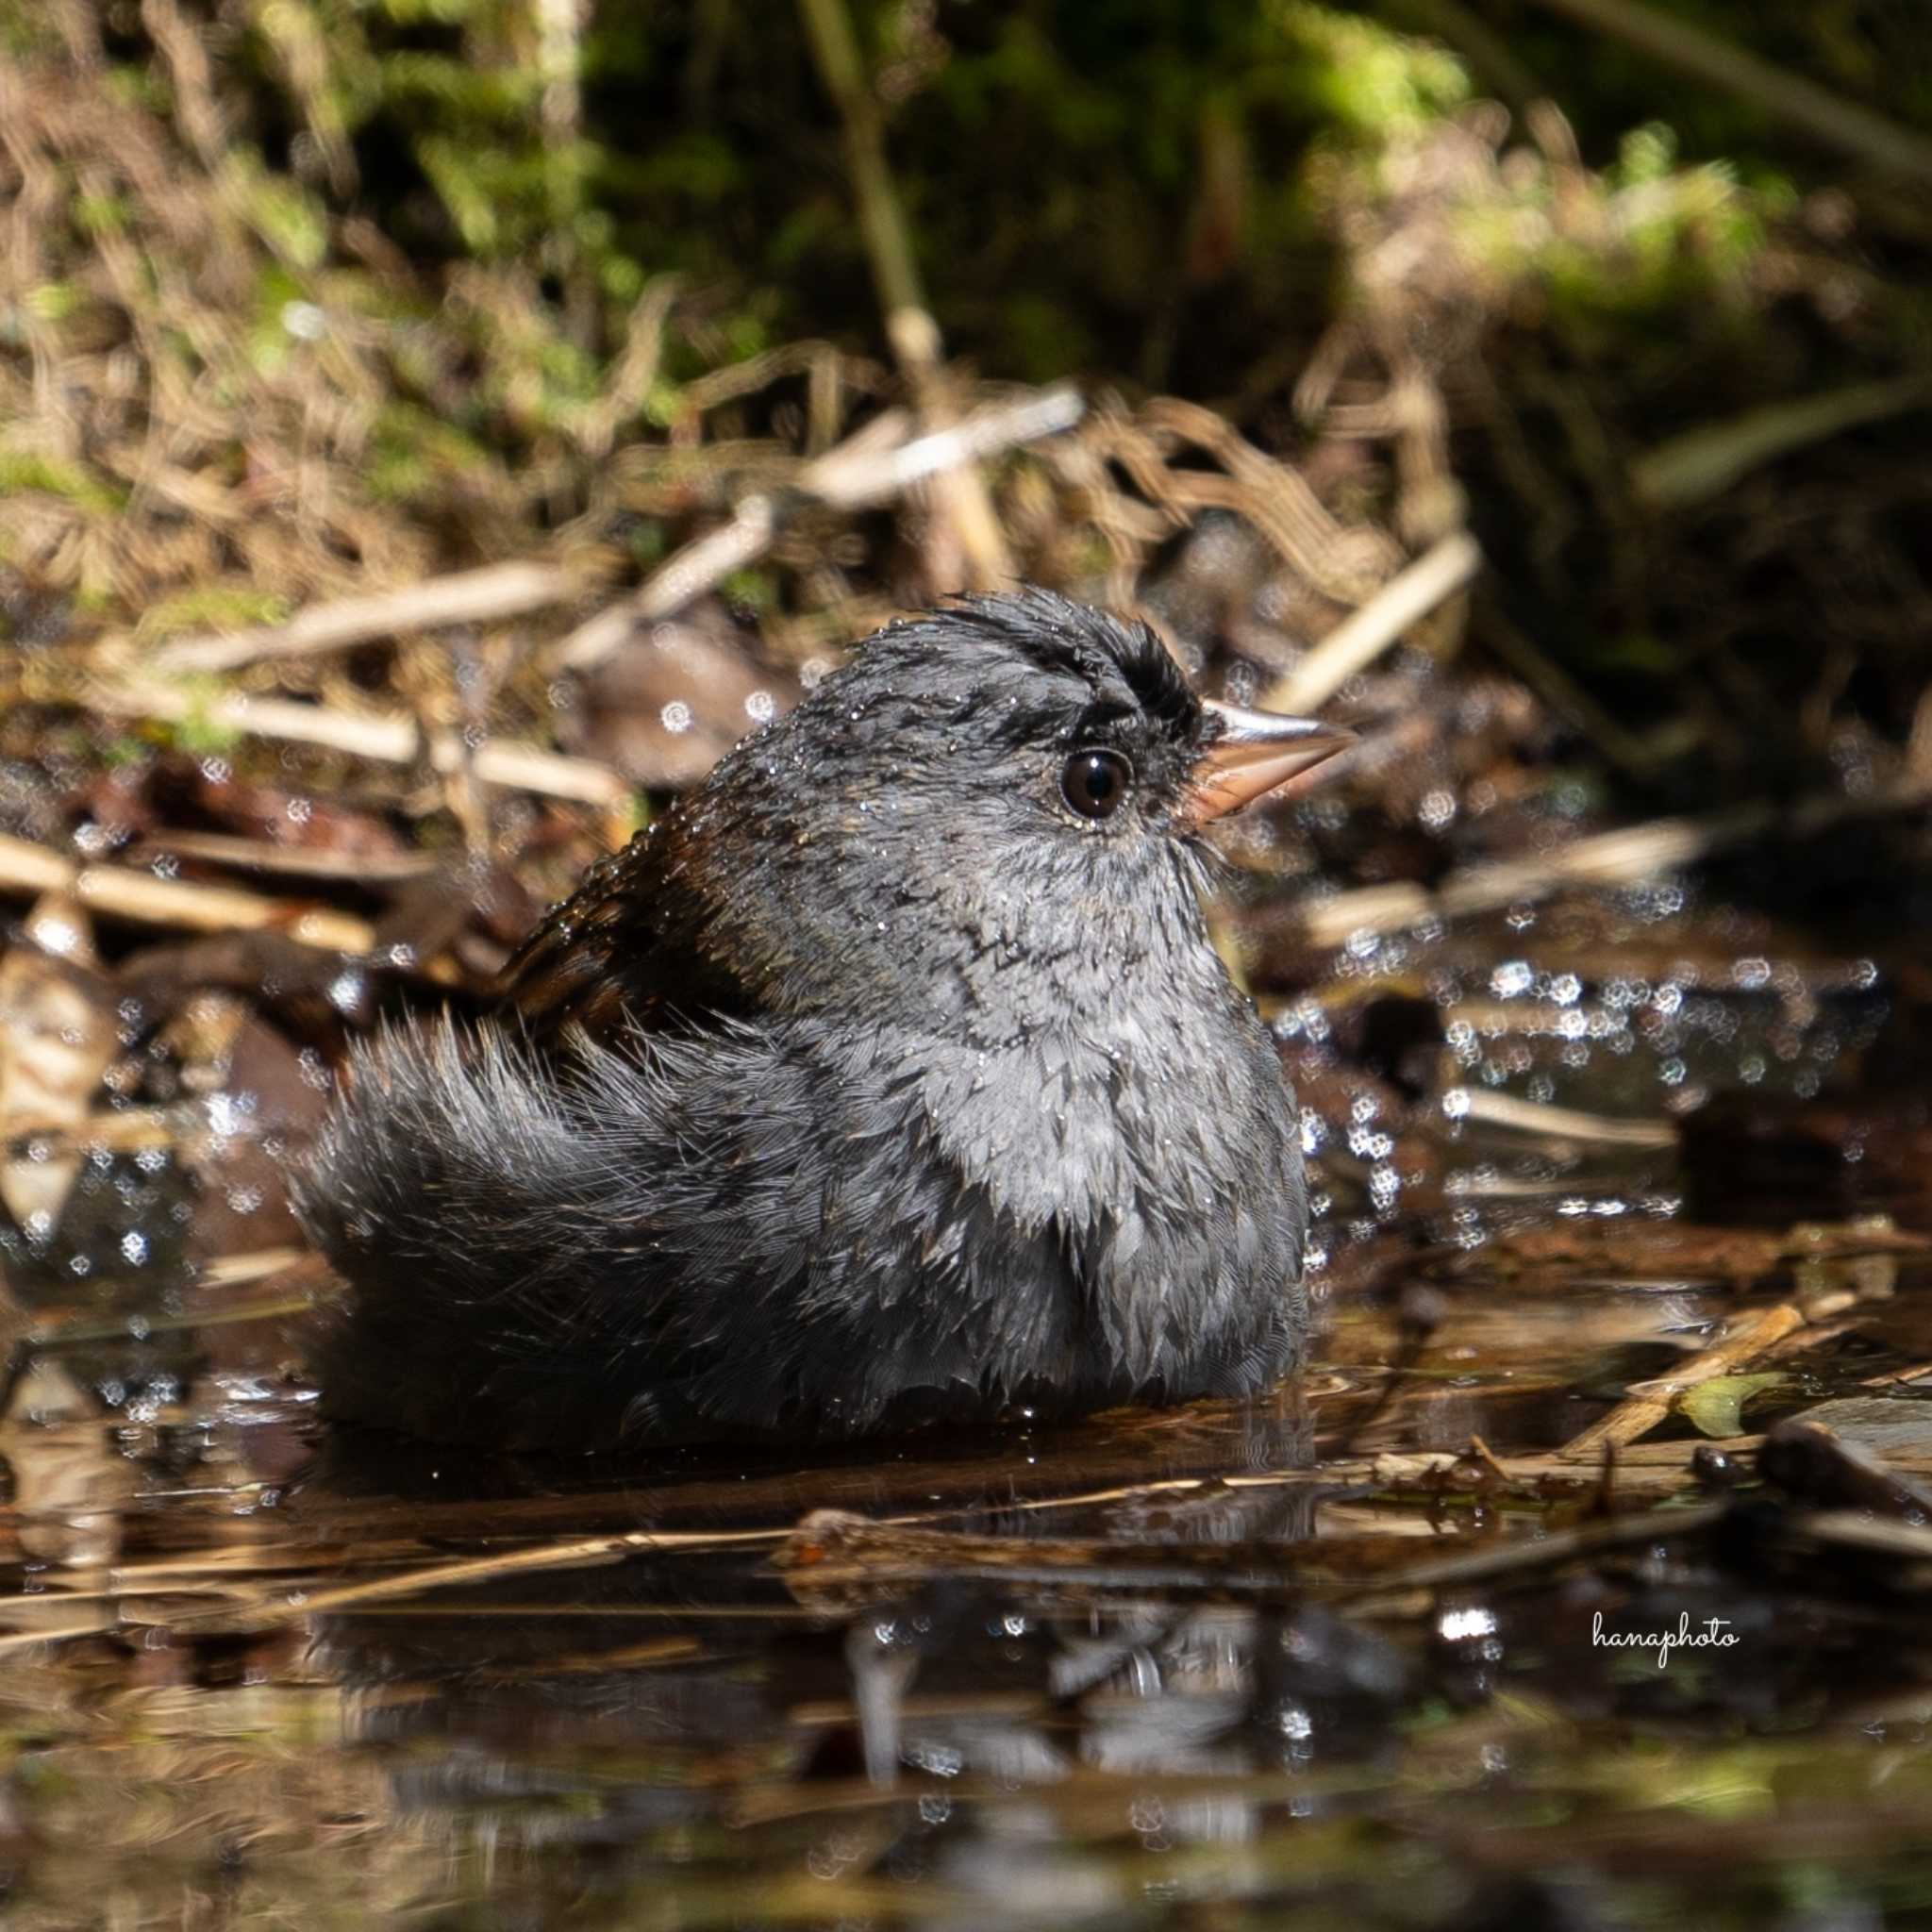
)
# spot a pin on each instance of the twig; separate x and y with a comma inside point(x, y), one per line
point(289, 862)
point(1365, 634)
point(387, 737)
point(852, 476)
point(52, 1333)
point(1619, 857)
point(1563, 1122)
point(253, 1264)
point(1435, 1472)
point(121, 893)
point(910, 324)
point(1526, 1558)
point(833, 1550)
point(1857, 1529)
point(1481, 1452)
point(1912, 1371)
point(1802, 104)
point(1705, 461)
point(469, 596)
point(850, 479)
point(1650, 1403)
point(81, 1324)
point(56, 1633)
point(686, 577)
point(575, 1554)
point(125, 1131)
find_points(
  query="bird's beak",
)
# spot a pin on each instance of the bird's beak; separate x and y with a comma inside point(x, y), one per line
point(1250, 752)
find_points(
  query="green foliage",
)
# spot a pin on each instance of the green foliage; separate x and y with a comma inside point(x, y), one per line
point(1372, 84)
point(198, 732)
point(1717, 1407)
point(292, 224)
point(214, 605)
point(1076, 171)
point(25, 471)
point(415, 457)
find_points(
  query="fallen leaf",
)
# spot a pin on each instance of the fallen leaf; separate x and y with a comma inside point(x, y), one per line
point(1716, 1407)
point(58, 1035)
point(69, 1487)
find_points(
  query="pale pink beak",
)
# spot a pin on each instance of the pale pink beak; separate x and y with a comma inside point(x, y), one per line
point(1251, 753)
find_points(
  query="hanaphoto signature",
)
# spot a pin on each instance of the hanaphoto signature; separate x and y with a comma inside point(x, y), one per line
point(1712, 1633)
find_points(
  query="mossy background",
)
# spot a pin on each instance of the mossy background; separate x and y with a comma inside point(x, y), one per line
point(412, 277)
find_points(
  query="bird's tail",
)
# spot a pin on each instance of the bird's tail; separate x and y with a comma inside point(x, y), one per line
point(445, 1189)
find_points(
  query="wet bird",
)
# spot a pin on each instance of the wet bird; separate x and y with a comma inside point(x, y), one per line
point(889, 1075)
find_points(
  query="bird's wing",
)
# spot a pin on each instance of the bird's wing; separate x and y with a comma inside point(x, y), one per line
point(621, 954)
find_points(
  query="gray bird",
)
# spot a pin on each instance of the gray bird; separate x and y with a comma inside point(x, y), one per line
point(889, 1075)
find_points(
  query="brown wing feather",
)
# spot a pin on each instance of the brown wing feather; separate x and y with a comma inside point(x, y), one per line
point(619, 955)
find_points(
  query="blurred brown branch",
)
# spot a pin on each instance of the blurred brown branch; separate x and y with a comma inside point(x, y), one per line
point(1799, 102)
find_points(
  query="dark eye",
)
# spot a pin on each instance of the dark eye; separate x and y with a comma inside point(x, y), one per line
point(1095, 782)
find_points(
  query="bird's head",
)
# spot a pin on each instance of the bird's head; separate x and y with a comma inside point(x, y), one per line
point(1005, 791)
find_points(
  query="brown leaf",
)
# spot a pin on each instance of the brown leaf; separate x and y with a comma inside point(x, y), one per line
point(58, 1035)
point(667, 705)
point(70, 1488)
point(265, 1101)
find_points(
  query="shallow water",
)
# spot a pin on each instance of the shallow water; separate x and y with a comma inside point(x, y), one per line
point(1332, 1657)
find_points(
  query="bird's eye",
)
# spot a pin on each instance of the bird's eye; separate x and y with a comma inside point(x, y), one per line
point(1095, 782)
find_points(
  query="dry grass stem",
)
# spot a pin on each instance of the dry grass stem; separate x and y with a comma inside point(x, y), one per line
point(859, 472)
point(967, 523)
point(386, 737)
point(119, 892)
point(1623, 857)
point(470, 596)
point(1789, 97)
point(1361, 637)
point(575, 1554)
point(290, 861)
point(1650, 1403)
point(1496, 1110)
